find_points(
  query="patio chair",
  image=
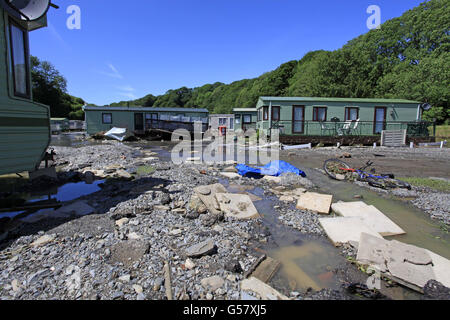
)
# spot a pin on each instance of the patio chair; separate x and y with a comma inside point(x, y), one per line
point(345, 130)
point(355, 127)
point(325, 128)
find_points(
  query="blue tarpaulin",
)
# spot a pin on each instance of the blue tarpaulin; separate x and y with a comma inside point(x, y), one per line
point(274, 168)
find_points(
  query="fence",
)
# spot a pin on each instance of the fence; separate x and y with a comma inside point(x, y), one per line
point(360, 128)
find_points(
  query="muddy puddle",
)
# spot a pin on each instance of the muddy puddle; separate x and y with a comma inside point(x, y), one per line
point(51, 196)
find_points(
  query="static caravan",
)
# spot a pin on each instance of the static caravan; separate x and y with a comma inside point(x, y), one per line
point(307, 116)
point(139, 120)
point(24, 125)
point(221, 120)
point(245, 118)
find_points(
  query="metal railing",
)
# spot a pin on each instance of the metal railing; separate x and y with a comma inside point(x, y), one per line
point(341, 128)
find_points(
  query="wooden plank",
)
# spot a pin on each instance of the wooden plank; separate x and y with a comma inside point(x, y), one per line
point(266, 269)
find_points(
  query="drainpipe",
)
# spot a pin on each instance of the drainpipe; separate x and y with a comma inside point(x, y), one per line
point(418, 113)
point(270, 120)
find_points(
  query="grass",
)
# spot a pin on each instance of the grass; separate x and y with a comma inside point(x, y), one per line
point(145, 170)
point(442, 132)
point(439, 185)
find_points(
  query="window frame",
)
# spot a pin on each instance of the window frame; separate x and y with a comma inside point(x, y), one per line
point(27, 95)
point(243, 118)
point(103, 117)
point(316, 114)
point(279, 113)
point(347, 113)
point(237, 119)
point(265, 113)
point(294, 121)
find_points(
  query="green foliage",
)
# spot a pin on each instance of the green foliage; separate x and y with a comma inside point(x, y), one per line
point(50, 88)
point(408, 58)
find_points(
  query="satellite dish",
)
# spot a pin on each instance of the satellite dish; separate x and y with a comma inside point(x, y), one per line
point(425, 106)
point(28, 10)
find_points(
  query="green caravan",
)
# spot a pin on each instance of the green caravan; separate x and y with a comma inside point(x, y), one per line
point(24, 124)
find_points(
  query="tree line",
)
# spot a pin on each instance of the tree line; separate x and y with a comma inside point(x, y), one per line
point(408, 58)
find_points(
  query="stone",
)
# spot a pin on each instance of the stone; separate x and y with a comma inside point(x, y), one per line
point(129, 252)
point(89, 177)
point(316, 202)
point(122, 222)
point(122, 174)
point(230, 175)
point(371, 216)
point(161, 208)
point(203, 248)
point(133, 236)
point(287, 198)
point(272, 179)
point(15, 285)
point(212, 283)
point(176, 232)
point(137, 288)
point(43, 240)
point(230, 169)
point(189, 264)
point(265, 291)
point(238, 206)
point(179, 211)
point(125, 278)
point(342, 230)
point(208, 196)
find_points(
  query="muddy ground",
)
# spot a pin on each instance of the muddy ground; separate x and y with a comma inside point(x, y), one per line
point(143, 222)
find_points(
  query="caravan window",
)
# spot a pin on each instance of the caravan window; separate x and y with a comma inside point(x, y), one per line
point(107, 118)
point(19, 60)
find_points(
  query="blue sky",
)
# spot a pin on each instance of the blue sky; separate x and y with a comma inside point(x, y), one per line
point(127, 49)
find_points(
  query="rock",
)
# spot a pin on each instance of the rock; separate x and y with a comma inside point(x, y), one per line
point(287, 198)
point(164, 199)
point(129, 252)
point(176, 232)
point(208, 196)
point(212, 283)
point(203, 248)
point(73, 282)
point(43, 240)
point(122, 174)
point(121, 222)
point(15, 285)
point(272, 179)
point(233, 266)
point(435, 290)
point(158, 283)
point(230, 169)
point(208, 220)
point(133, 236)
point(125, 278)
point(161, 208)
point(179, 211)
point(89, 177)
point(189, 264)
point(230, 175)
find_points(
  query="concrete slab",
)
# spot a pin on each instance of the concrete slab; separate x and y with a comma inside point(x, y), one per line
point(341, 230)
point(370, 215)
point(265, 291)
point(208, 195)
point(317, 202)
point(406, 264)
point(238, 206)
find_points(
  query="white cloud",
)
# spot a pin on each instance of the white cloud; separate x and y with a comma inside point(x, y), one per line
point(114, 72)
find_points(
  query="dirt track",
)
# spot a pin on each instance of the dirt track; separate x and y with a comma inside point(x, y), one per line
point(400, 161)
